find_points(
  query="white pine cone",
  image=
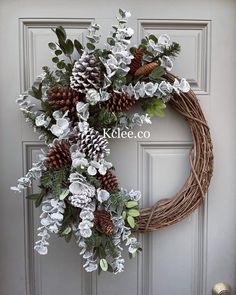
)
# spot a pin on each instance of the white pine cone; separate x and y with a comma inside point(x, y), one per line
point(85, 73)
point(93, 144)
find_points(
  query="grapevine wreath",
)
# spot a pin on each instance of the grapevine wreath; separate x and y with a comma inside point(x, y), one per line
point(91, 89)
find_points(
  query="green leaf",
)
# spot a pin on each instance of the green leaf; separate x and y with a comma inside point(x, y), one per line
point(144, 41)
point(78, 46)
point(55, 59)
point(111, 41)
point(58, 52)
point(133, 212)
point(69, 47)
point(37, 93)
point(103, 264)
point(90, 46)
point(91, 39)
point(157, 73)
point(156, 107)
point(61, 65)
point(61, 33)
point(153, 37)
point(131, 221)
point(33, 197)
point(122, 13)
point(131, 204)
point(124, 215)
point(66, 231)
point(64, 194)
point(39, 200)
point(52, 46)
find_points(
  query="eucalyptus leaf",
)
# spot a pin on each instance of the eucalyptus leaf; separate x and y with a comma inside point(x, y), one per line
point(64, 194)
point(103, 264)
point(78, 46)
point(133, 212)
point(90, 46)
point(58, 52)
point(131, 204)
point(55, 59)
point(66, 231)
point(69, 47)
point(52, 46)
point(131, 221)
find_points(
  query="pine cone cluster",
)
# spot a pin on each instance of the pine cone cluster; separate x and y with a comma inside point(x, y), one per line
point(85, 73)
point(120, 102)
point(146, 69)
point(103, 220)
point(137, 60)
point(108, 181)
point(58, 155)
point(92, 144)
point(64, 98)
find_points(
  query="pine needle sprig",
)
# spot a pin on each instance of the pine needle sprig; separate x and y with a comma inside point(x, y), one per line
point(173, 50)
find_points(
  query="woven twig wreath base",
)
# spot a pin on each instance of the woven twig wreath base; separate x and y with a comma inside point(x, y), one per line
point(169, 211)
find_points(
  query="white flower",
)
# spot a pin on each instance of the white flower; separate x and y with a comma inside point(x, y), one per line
point(80, 162)
point(83, 126)
point(127, 14)
point(92, 170)
point(86, 214)
point(167, 63)
point(92, 96)
point(41, 121)
point(182, 86)
point(104, 95)
point(150, 88)
point(139, 90)
point(92, 266)
point(82, 110)
point(102, 195)
point(164, 40)
point(85, 224)
point(86, 233)
point(135, 195)
point(61, 128)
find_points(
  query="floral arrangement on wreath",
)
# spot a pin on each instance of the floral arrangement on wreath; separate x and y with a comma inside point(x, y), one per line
point(91, 89)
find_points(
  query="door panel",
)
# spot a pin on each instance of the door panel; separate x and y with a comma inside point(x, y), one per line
point(186, 258)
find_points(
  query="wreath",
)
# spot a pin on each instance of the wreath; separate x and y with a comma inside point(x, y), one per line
point(89, 90)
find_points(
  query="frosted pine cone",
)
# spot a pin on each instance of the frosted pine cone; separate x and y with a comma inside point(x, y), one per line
point(108, 181)
point(103, 220)
point(120, 102)
point(92, 144)
point(58, 155)
point(64, 98)
point(85, 73)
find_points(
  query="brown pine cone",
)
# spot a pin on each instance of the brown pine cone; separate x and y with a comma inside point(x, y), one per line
point(120, 102)
point(64, 98)
point(146, 69)
point(137, 60)
point(103, 220)
point(108, 181)
point(58, 155)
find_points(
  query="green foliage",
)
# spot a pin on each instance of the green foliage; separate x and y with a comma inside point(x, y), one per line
point(70, 216)
point(131, 221)
point(55, 181)
point(156, 74)
point(101, 118)
point(36, 198)
point(36, 92)
point(173, 50)
point(78, 47)
point(103, 264)
point(153, 106)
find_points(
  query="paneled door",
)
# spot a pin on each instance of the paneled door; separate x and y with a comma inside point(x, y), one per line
point(184, 259)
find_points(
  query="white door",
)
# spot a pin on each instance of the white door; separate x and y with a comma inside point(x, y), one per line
point(184, 259)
